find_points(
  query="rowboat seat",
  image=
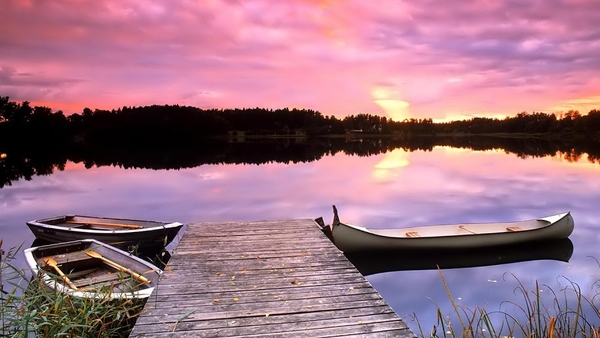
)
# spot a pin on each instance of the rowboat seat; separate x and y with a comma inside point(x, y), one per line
point(71, 225)
point(513, 229)
point(101, 279)
point(412, 234)
point(71, 257)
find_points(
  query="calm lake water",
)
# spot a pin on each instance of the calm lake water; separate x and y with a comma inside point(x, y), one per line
point(395, 189)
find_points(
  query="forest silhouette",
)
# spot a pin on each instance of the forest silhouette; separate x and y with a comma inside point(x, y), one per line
point(37, 141)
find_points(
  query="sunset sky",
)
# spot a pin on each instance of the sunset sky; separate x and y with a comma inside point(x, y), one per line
point(428, 58)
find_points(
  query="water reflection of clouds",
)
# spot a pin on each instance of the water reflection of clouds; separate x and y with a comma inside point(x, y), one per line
point(489, 287)
point(422, 292)
point(496, 180)
point(397, 188)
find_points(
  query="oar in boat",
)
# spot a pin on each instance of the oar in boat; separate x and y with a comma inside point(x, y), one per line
point(117, 266)
point(127, 226)
point(52, 262)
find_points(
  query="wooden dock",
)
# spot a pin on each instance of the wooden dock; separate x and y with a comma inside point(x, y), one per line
point(267, 278)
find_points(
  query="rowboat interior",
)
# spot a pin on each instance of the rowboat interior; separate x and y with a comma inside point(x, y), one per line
point(90, 274)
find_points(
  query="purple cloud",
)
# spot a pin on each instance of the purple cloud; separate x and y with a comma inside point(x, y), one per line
point(438, 59)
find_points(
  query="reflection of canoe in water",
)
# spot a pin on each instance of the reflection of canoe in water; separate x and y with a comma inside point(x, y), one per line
point(349, 238)
point(88, 268)
point(369, 263)
point(126, 234)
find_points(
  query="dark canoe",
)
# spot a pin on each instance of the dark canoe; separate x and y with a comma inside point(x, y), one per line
point(127, 234)
point(119, 275)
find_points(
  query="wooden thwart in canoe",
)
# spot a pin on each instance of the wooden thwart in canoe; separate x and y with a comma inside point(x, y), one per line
point(350, 238)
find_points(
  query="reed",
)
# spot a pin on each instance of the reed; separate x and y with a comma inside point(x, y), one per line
point(565, 315)
point(29, 308)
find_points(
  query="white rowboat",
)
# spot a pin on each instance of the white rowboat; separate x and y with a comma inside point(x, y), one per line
point(92, 269)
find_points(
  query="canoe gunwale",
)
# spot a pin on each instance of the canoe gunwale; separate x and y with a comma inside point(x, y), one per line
point(410, 229)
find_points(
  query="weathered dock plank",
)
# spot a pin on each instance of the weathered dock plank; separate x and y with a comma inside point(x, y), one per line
point(265, 278)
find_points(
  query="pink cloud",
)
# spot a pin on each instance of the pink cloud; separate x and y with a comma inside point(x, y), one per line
point(473, 57)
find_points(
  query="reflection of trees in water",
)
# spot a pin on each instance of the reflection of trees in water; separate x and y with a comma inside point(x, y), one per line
point(25, 162)
point(572, 150)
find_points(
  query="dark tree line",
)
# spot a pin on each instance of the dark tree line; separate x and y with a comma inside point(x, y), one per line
point(166, 124)
point(174, 124)
point(571, 122)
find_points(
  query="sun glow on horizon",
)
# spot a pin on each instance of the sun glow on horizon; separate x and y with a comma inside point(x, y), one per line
point(583, 105)
point(461, 116)
point(395, 108)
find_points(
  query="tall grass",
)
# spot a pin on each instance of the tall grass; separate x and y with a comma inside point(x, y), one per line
point(567, 314)
point(30, 309)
